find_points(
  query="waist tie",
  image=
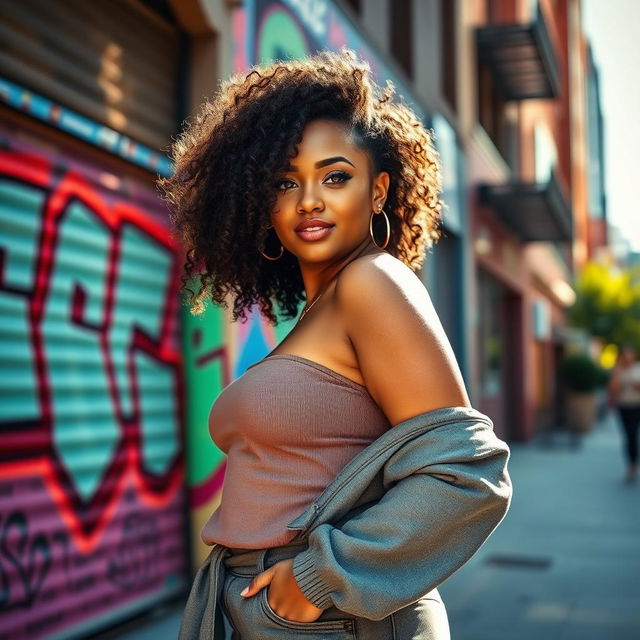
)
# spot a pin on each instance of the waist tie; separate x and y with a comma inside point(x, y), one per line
point(202, 617)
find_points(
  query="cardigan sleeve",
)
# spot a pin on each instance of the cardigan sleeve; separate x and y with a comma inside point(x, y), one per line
point(445, 493)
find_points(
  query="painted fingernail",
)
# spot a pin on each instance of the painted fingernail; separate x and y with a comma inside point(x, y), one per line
point(244, 591)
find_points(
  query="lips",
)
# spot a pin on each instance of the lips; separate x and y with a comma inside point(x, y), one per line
point(320, 232)
point(313, 224)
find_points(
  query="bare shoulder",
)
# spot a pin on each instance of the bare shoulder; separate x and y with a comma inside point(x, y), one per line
point(401, 347)
point(386, 282)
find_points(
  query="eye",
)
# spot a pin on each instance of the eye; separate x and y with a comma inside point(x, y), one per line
point(341, 176)
point(279, 184)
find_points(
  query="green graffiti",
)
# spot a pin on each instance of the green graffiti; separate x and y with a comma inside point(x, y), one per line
point(204, 356)
point(281, 38)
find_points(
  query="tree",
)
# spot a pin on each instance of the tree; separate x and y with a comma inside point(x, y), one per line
point(607, 303)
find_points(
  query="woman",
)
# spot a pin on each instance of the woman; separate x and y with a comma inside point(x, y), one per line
point(624, 389)
point(302, 180)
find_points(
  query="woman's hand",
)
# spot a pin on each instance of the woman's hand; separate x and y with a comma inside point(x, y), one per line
point(284, 595)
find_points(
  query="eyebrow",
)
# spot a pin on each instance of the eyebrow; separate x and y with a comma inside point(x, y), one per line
point(325, 162)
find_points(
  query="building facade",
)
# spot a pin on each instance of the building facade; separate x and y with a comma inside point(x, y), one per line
point(514, 83)
point(107, 470)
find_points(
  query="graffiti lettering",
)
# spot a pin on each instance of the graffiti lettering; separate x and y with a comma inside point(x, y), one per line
point(133, 566)
point(88, 295)
point(29, 556)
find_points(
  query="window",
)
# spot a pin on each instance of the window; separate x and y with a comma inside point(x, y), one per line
point(492, 108)
point(491, 334)
point(401, 34)
point(498, 117)
point(448, 52)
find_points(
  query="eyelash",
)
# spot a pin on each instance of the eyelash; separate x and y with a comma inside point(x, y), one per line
point(337, 174)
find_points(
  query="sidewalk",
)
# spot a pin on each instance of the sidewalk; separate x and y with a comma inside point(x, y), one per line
point(563, 565)
point(565, 562)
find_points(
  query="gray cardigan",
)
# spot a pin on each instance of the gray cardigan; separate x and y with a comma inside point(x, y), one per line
point(404, 514)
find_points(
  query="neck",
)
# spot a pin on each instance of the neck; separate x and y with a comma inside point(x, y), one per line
point(317, 277)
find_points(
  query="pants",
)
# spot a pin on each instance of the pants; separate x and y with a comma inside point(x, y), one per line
point(630, 419)
point(253, 619)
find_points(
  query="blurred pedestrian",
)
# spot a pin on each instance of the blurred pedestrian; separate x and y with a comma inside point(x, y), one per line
point(624, 390)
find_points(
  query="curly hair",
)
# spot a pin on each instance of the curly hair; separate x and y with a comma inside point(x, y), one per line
point(229, 153)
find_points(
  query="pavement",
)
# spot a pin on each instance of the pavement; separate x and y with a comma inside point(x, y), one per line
point(564, 564)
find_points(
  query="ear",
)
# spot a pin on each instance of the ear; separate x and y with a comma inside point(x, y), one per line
point(380, 187)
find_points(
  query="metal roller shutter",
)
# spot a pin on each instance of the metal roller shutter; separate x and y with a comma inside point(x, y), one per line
point(114, 61)
point(92, 502)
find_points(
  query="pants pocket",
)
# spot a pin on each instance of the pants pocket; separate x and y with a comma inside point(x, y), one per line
point(254, 618)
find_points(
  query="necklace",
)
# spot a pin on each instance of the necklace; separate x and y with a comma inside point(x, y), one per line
point(304, 313)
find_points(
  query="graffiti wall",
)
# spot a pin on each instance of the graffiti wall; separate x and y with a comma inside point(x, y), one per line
point(91, 460)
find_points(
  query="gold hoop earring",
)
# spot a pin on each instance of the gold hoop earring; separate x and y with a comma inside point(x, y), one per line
point(386, 242)
point(281, 250)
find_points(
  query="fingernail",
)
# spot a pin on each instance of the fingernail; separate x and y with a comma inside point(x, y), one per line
point(244, 591)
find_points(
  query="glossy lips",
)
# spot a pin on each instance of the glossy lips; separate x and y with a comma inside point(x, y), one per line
point(312, 222)
point(314, 229)
point(315, 235)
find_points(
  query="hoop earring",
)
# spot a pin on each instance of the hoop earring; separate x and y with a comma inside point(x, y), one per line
point(386, 242)
point(281, 250)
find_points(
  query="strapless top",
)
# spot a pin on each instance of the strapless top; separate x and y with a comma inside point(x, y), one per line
point(288, 426)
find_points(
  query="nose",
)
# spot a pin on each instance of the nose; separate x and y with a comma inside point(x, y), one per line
point(309, 200)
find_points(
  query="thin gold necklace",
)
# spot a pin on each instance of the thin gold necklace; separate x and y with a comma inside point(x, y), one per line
point(305, 311)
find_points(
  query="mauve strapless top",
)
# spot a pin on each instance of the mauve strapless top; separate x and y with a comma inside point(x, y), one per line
point(288, 426)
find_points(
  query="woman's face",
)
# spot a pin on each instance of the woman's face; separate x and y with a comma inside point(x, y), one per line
point(329, 179)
